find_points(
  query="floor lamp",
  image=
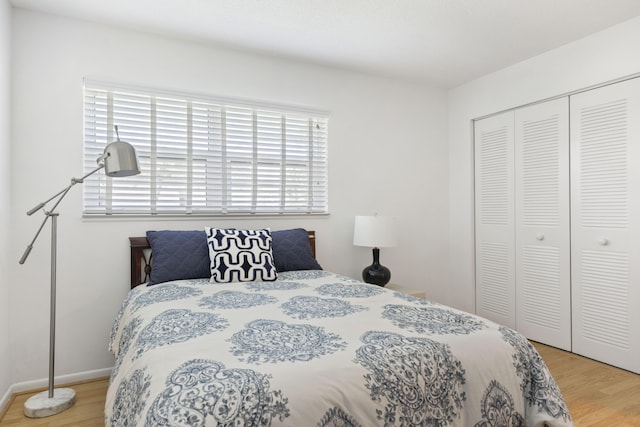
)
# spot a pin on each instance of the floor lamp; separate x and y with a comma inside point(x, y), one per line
point(118, 160)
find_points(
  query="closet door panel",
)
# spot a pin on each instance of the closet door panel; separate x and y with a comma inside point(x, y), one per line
point(605, 223)
point(542, 240)
point(494, 201)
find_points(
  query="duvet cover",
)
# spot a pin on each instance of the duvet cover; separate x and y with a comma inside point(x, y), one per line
point(318, 349)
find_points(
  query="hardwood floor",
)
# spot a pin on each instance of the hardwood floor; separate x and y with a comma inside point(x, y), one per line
point(88, 410)
point(597, 395)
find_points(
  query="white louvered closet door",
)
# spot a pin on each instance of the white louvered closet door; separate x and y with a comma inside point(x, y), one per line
point(494, 200)
point(543, 287)
point(605, 223)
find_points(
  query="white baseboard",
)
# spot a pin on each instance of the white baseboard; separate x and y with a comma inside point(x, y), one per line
point(5, 400)
point(44, 382)
point(62, 379)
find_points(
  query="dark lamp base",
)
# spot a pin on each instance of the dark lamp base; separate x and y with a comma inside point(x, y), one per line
point(376, 275)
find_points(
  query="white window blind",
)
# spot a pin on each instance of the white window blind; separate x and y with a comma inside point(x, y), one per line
point(204, 155)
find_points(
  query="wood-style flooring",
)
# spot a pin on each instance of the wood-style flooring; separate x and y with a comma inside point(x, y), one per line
point(88, 410)
point(597, 395)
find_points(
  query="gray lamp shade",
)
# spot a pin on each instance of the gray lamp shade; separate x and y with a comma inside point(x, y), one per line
point(120, 159)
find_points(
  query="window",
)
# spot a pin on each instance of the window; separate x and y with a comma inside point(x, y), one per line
point(204, 155)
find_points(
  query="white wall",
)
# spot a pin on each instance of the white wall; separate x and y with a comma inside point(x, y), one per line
point(5, 211)
point(602, 57)
point(387, 154)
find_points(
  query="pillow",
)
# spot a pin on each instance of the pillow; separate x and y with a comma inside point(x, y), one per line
point(240, 255)
point(291, 251)
point(178, 255)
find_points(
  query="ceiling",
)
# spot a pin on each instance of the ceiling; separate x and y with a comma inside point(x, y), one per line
point(442, 42)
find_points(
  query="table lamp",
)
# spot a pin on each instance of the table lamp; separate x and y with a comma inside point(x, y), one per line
point(375, 232)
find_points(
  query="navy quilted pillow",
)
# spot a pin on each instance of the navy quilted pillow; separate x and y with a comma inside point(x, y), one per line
point(291, 250)
point(178, 255)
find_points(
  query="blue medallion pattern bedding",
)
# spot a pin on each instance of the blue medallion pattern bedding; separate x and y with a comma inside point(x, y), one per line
point(313, 348)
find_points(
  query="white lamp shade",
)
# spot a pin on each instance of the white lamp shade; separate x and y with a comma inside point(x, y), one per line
point(120, 159)
point(374, 231)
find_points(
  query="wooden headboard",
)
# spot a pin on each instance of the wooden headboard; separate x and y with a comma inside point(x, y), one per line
point(141, 258)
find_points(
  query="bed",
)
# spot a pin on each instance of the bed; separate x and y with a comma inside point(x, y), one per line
point(311, 348)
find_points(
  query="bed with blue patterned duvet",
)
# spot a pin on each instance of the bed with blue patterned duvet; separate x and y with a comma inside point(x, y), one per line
point(313, 348)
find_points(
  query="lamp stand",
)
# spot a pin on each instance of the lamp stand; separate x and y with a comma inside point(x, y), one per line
point(376, 273)
point(51, 401)
point(118, 160)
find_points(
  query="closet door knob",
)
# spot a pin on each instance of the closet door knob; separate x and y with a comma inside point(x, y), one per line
point(603, 241)
point(540, 236)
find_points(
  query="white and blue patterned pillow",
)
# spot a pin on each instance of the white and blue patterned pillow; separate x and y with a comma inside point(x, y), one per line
point(240, 255)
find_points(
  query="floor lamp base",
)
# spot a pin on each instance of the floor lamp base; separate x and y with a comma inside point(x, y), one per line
point(41, 405)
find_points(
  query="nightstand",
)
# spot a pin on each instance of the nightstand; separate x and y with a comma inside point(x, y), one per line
point(405, 290)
